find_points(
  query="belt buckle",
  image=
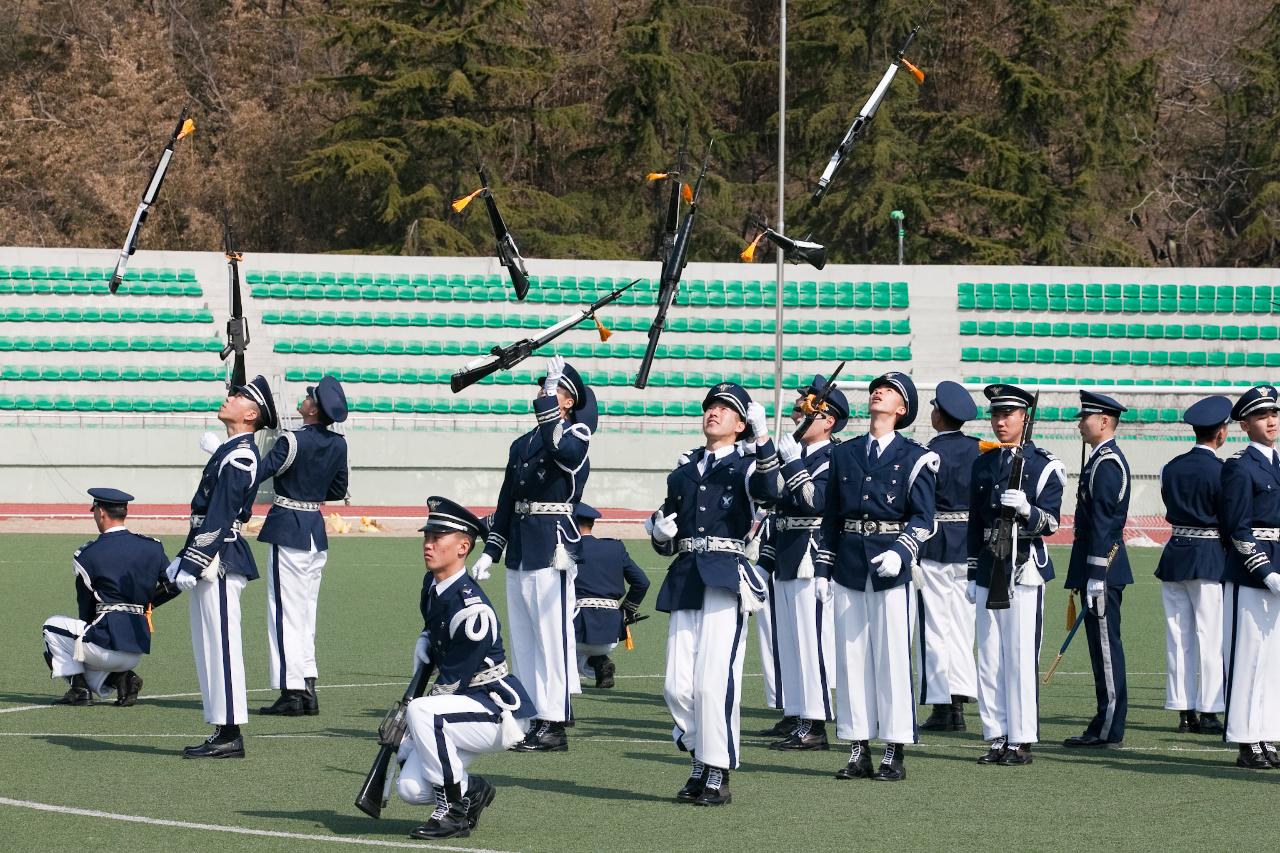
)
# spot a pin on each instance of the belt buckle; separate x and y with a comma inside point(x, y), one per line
point(522, 507)
point(700, 544)
point(870, 528)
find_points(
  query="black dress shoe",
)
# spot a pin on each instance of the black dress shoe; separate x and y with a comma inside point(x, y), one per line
point(715, 791)
point(1016, 757)
point(310, 702)
point(1089, 741)
point(995, 752)
point(604, 674)
point(290, 703)
point(1211, 725)
point(1269, 750)
point(128, 686)
point(78, 693)
point(480, 794)
point(1188, 721)
point(694, 784)
point(212, 749)
point(782, 728)
point(859, 766)
point(810, 734)
point(1252, 757)
point(548, 737)
point(451, 824)
point(892, 768)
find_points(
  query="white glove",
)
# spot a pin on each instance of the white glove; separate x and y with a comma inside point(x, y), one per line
point(759, 423)
point(1272, 581)
point(171, 571)
point(1017, 499)
point(1095, 596)
point(788, 448)
point(422, 650)
point(480, 568)
point(662, 527)
point(822, 589)
point(209, 442)
point(971, 592)
point(887, 564)
point(555, 370)
point(186, 581)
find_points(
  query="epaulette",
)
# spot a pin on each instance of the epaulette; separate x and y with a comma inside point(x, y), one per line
point(687, 457)
point(148, 538)
point(1046, 454)
point(84, 546)
point(1106, 451)
point(911, 440)
point(1239, 453)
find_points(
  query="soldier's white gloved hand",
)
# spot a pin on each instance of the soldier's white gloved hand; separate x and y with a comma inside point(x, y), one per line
point(480, 568)
point(1017, 499)
point(1272, 581)
point(1095, 596)
point(555, 370)
point(209, 442)
point(663, 526)
point(759, 423)
point(887, 564)
point(971, 592)
point(186, 581)
point(822, 589)
point(171, 572)
point(422, 650)
point(788, 448)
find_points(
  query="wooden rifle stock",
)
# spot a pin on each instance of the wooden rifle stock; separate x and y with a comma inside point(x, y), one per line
point(370, 800)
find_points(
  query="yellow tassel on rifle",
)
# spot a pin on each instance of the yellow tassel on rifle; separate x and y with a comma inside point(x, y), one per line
point(915, 72)
point(686, 192)
point(631, 645)
point(1071, 611)
point(151, 629)
point(461, 204)
point(605, 332)
point(749, 254)
point(984, 445)
point(655, 176)
point(188, 128)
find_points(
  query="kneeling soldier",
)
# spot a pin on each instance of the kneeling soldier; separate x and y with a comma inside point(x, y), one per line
point(476, 705)
point(117, 576)
point(604, 614)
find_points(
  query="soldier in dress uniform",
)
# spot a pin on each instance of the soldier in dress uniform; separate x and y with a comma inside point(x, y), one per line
point(1009, 639)
point(309, 465)
point(711, 587)
point(948, 677)
point(546, 472)
point(1102, 508)
point(476, 705)
point(216, 563)
point(802, 607)
point(1190, 570)
point(118, 576)
point(604, 613)
point(1250, 518)
point(880, 506)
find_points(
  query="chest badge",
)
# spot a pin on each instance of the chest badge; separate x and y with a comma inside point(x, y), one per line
point(896, 467)
point(890, 496)
point(726, 501)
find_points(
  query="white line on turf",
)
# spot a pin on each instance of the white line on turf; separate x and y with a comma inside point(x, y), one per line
point(235, 830)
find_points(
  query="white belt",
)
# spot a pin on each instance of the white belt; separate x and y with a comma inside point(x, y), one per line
point(197, 520)
point(1270, 534)
point(300, 506)
point(538, 508)
point(135, 609)
point(602, 603)
point(871, 528)
point(1196, 532)
point(703, 544)
point(951, 517)
point(494, 673)
point(796, 522)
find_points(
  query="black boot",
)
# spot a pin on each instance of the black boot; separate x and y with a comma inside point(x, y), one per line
point(604, 668)
point(1269, 750)
point(310, 703)
point(1188, 721)
point(939, 719)
point(782, 728)
point(291, 703)
point(859, 766)
point(995, 752)
point(1210, 724)
point(548, 737)
point(480, 794)
point(693, 785)
point(78, 693)
point(449, 820)
point(715, 791)
point(956, 717)
point(810, 734)
point(128, 686)
point(1016, 756)
point(225, 742)
point(891, 768)
point(1252, 757)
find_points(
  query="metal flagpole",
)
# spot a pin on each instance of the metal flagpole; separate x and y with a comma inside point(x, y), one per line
point(781, 229)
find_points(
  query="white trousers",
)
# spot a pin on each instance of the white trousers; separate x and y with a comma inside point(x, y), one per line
point(874, 695)
point(806, 649)
point(446, 733)
point(1193, 645)
point(540, 606)
point(60, 634)
point(293, 588)
point(1008, 660)
point(703, 686)
point(766, 633)
point(215, 639)
point(1251, 646)
point(590, 650)
point(946, 633)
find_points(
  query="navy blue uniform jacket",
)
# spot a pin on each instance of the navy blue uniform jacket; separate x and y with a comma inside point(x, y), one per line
point(119, 567)
point(1250, 498)
point(956, 454)
point(604, 568)
point(1043, 478)
point(222, 502)
point(1102, 508)
point(1191, 486)
point(309, 464)
point(802, 497)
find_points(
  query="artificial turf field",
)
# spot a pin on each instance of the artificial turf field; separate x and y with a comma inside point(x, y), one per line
point(611, 791)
